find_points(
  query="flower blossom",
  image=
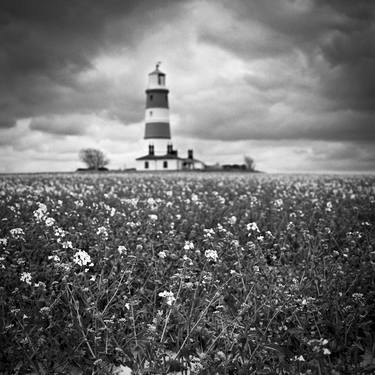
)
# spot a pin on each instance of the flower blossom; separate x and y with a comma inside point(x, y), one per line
point(188, 245)
point(232, 220)
point(153, 217)
point(169, 296)
point(17, 233)
point(102, 231)
point(211, 255)
point(59, 232)
point(162, 254)
point(40, 213)
point(121, 249)
point(67, 245)
point(252, 227)
point(26, 277)
point(49, 221)
point(82, 258)
point(194, 197)
point(55, 258)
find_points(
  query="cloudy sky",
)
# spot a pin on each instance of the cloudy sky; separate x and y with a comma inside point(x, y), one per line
point(289, 82)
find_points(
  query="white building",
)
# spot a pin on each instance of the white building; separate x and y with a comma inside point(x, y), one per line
point(161, 155)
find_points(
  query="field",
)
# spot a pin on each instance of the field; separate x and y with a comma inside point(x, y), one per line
point(215, 274)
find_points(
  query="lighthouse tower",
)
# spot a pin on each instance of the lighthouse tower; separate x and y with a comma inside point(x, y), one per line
point(157, 129)
point(161, 155)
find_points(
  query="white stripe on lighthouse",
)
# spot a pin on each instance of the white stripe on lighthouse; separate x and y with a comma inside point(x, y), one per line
point(157, 115)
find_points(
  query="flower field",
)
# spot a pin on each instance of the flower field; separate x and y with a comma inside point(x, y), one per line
point(202, 273)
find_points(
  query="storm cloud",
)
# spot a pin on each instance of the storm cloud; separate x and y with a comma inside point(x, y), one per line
point(291, 72)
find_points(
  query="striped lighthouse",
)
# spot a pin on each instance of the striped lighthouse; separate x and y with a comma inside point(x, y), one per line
point(161, 154)
point(157, 129)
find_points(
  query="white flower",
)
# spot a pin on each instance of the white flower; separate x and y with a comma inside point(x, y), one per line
point(40, 213)
point(40, 284)
point(82, 258)
point(221, 199)
point(326, 351)
point(26, 277)
point(49, 221)
point(209, 233)
point(59, 232)
point(211, 255)
point(169, 296)
point(290, 226)
point(55, 258)
point(325, 342)
point(67, 245)
point(162, 254)
point(194, 197)
point(151, 202)
point(252, 227)
point(153, 217)
point(278, 203)
point(232, 220)
point(103, 232)
point(121, 250)
point(17, 233)
point(188, 245)
point(3, 241)
point(300, 358)
point(329, 207)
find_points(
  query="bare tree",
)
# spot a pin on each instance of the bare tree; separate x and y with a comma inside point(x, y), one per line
point(94, 159)
point(250, 163)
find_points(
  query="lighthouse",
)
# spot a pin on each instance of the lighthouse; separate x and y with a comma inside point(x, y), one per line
point(157, 128)
point(161, 155)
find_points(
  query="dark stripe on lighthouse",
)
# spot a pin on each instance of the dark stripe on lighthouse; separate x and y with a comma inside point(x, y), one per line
point(157, 130)
point(157, 98)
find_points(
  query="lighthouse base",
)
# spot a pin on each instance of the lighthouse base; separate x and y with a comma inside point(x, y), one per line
point(167, 160)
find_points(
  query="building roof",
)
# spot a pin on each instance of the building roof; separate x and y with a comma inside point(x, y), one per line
point(168, 157)
point(159, 157)
point(156, 71)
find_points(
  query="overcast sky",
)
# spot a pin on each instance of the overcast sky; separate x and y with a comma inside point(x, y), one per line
point(289, 82)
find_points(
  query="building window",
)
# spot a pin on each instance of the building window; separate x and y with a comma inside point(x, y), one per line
point(146, 164)
point(150, 113)
point(151, 97)
point(165, 164)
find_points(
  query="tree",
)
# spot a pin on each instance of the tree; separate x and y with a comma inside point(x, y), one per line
point(94, 159)
point(250, 163)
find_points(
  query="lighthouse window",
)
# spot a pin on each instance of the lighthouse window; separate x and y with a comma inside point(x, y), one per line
point(165, 164)
point(151, 97)
point(146, 164)
point(150, 113)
